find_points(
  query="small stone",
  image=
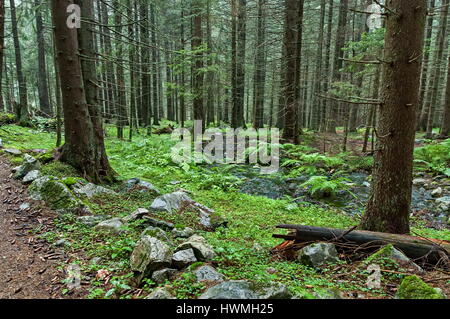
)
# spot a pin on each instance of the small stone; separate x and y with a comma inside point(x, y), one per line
point(61, 243)
point(332, 293)
point(113, 225)
point(161, 276)
point(31, 176)
point(167, 226)
point(318, 254)
point(13, 151)
point(234, 289)
point(142, 186)
point(29, 164)
point(95, 261)
point(91, 220)
point(202, 250)
point(419, 181)
point(184, 233)
point(24, 206)
point(208, 273)
point(183, 258)
point(271, 270)
point(398, 259)
point(160, 293)
point(437, 192)
point(155, 232)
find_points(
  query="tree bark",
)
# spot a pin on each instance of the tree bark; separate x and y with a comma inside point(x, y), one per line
point(445, 127)
point(84, 145)
point(197, 40)
point(389, 204)
point(260, 66)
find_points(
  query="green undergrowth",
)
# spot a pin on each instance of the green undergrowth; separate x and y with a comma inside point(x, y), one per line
point(243, 247)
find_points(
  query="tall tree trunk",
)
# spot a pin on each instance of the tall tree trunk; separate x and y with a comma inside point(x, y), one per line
point(155, 67)
point(333, 114)
point(132, 58)
point(2, 50)
point(145, 66)
point(44, 101)
point(22, 112)
point(445, 127)
point(120, 75)
point(389, 204)
point(84, 147)
point(241, 41)
point(197, 40)
point(327, 69)
point(260, 67)
point(290, 43)
point(435, 79)
point(421, 119)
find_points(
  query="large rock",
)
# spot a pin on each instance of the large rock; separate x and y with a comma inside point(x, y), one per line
point(90, 190)
point(397, 258)
point(235, 289)
point(149, 255)
point(202, 250)
point(56, 194)
point(150, 221)
point(317, 254)
point(332, 293)
point(175, 202)
point(443, 204)
point(160, 293)
point(142, 186)
point(276, 291)
point(161, 276)
point(113, 225)
point(29, 164)
point(155, 232)
point(183, 258)
point(182, 233)
point(137, 214)
point(208, 273)
point(412, 287)
point(31, 176)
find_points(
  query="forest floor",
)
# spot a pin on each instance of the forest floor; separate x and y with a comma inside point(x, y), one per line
point(243, 248)
point(28, 265)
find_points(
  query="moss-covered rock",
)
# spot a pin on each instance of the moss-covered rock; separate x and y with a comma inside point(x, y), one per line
point(29, 164)
point(55, 193)
point(412, 287)
point(392, 258)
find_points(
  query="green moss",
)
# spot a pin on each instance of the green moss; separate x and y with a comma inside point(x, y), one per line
point(56, 194)
point(381, 255)
point(59, 170)
point(69, 181)
point(7, 118)
point(46, 157)
point(412, 287)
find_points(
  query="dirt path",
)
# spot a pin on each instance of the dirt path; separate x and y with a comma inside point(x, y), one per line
point(27, 263)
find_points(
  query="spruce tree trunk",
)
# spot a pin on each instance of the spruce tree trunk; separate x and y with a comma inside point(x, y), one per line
point(260, 67)
point(84, 146)
point(445, 127)
point(2, 50)
point(44, 101)
point(389, 204)
point(327, 69)
point(22, 112)
point(197, 40)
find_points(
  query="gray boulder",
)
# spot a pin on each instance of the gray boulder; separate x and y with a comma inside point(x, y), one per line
point(160, 293)
point(443, 204)
point(276, 291)
point(161, 276)
point(149, 221)
point(155, 232)
point(392, 253)
point(91, 220)
point(183, 258)
point(149, 255)
point(142, 186)
point(183, 233)
point(12, 151)
point(437, 192)
point(235, 289)
point(202, 250)
point(174, 202)
point(90, 190)
point(317, 254)
point(332, 293)
point(113, 225)
point(137, 214)
point(31, 176)
point(56, 194)
point(208, 273)
point(29, 164)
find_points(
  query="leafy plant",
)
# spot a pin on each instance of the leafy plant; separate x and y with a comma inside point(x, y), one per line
point(322, 187)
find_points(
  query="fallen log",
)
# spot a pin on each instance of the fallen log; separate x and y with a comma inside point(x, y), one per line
point(428, 250)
